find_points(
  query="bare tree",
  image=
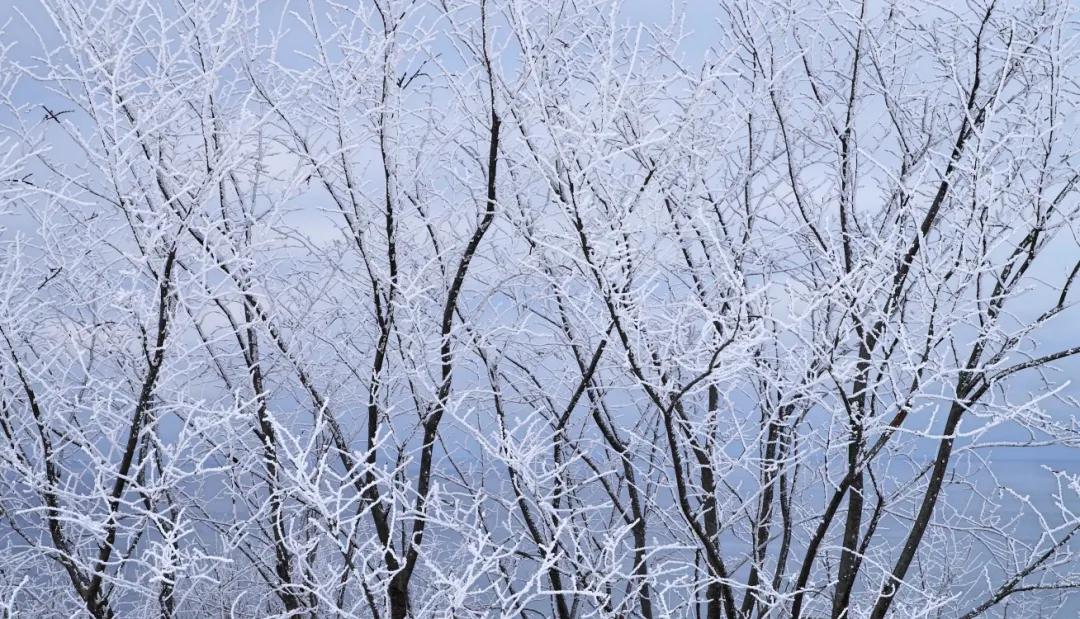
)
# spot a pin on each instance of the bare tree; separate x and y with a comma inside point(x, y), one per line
point(409, 308)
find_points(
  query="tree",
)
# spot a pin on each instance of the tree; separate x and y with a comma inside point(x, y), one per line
point(502, 308)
